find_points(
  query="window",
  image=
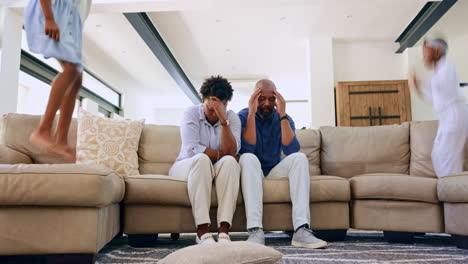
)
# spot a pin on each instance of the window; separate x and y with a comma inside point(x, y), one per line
point(36, 75)
point(32, 95)
point(104, 113)
point(101, 89)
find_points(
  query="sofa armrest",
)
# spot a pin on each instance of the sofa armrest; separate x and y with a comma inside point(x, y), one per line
point(452, 189)
point(11, 156)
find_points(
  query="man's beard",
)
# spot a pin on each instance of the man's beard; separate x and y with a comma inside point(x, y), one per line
point(265, 112)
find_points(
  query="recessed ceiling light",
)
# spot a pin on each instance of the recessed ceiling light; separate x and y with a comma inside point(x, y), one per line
point(228, 50)
point(98, 26)
point(123, 51)
point(282, 18)
point(218, 20)
point(349, 16)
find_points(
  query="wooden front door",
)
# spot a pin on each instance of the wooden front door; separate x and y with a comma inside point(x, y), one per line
point(372, 103)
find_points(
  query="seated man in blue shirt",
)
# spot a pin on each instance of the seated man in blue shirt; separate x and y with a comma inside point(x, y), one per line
point(266, 132)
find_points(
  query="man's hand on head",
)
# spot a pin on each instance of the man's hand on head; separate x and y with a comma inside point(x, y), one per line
point(280, 104)
point(253, 102)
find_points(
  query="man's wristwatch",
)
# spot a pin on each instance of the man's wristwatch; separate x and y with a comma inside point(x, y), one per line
point(225, 122)
point(285, 117)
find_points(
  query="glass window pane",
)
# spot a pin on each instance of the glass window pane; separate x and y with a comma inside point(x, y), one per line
point(89, 81)
point(100, 89)
point(33, 95)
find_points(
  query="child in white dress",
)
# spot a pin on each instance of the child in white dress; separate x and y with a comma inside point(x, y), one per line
point(444, 93)
point(54, 29)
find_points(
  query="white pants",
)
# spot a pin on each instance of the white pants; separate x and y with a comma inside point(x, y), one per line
point(199, 172)
point(295, 167)
point(449, 145)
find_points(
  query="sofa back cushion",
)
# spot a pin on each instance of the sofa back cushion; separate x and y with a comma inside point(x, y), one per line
point(350, 151)
point(159, 148)
point(423, 134)
point(15, 130)
point(310, 141)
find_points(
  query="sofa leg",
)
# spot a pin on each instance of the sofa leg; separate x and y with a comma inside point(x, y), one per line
point(119, 235)
point(460, 241)
point(331, 235)
point(71, 259)
point(142, 240)
point(399, 237)
point(175, 236)
point(419, 234)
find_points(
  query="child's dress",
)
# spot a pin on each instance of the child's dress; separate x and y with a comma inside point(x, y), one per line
point(69, 16)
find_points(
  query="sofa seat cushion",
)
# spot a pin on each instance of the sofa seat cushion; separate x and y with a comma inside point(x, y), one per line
point(60, 185)
point(385, 186)
point(322, 189)
point(453, 189)
point(163, 190)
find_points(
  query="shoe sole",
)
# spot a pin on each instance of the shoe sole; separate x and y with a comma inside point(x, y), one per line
point(314, 246)
point(256, 242)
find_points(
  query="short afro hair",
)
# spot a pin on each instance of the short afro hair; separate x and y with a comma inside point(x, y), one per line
point(217, 86)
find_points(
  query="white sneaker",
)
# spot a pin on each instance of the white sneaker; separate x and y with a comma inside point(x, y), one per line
point(223, 238)
point(205, 239)
point(304, 237)
point(256, 235)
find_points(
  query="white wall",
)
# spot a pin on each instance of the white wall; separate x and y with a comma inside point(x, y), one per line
point(420, 110)
point(458, 55)
point(368, 61)
point(322, 98)
point(10, 47)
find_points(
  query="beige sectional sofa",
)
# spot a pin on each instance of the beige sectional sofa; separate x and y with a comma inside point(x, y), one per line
point(372, 178)
point(53, 209)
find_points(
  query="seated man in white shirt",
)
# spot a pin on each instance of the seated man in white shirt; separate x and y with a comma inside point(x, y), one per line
point(210, 140)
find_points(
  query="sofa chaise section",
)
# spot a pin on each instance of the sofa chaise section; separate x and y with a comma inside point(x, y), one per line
point(58, 209)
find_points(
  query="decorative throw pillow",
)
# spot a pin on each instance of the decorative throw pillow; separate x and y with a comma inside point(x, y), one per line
point(239, 252)
point(107, 142)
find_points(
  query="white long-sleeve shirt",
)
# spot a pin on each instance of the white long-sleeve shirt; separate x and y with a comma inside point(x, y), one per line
point(443, 88)
point(198, 134)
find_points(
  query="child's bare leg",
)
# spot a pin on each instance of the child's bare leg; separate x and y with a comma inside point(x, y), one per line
point(42, 135)
point(66, 113)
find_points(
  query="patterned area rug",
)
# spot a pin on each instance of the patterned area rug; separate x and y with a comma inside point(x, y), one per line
point(359, 247)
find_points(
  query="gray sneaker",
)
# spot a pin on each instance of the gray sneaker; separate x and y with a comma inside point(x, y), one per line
point(256, 235)
point(304, 237)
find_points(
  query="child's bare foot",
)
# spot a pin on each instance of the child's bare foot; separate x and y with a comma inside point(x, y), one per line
point(65, 151)
point(41, 140)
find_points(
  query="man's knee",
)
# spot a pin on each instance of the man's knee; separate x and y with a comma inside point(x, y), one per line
point(248, 158)
point(299, 157)
point(201, 159)
point(230, 163)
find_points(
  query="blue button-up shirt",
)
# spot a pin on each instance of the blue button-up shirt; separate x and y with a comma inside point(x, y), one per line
point(268, 148)
point(197, 133)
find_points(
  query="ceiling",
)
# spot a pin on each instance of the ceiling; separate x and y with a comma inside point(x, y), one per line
point(272, 40)
point(244, 40)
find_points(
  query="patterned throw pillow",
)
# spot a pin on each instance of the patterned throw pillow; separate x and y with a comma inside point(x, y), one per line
point(107, 142)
